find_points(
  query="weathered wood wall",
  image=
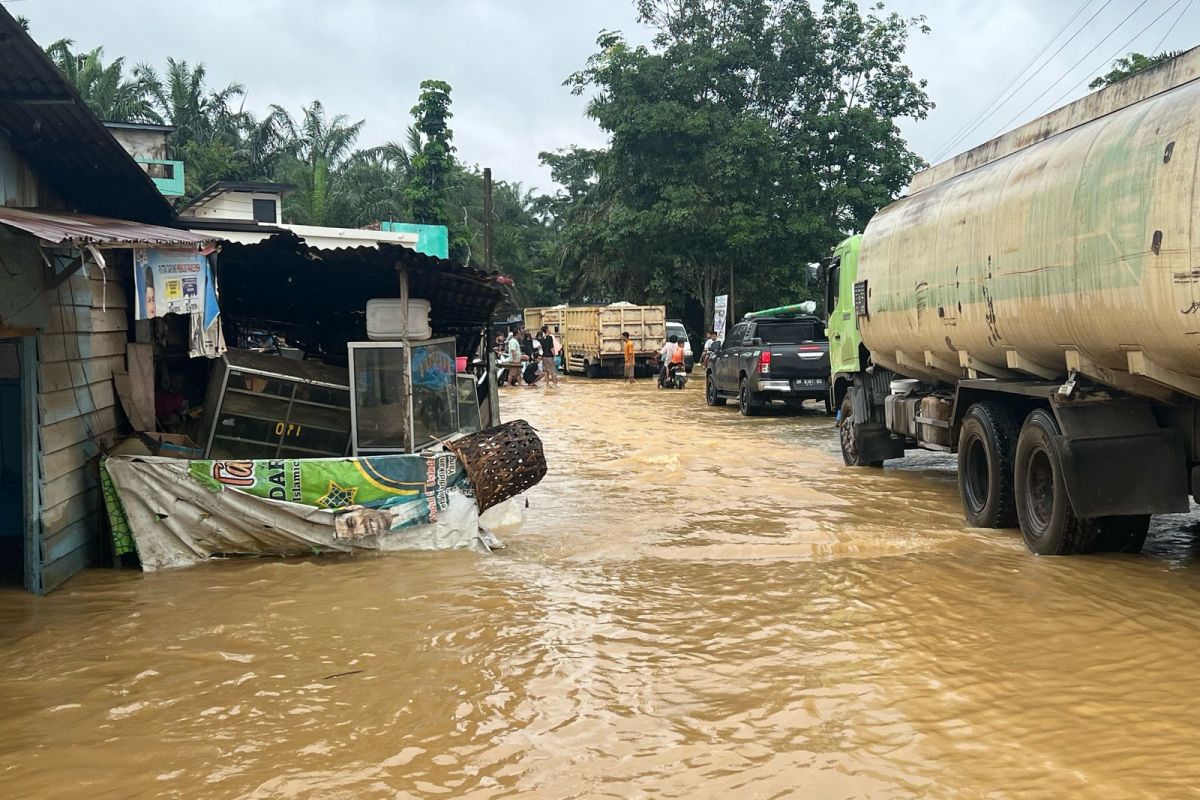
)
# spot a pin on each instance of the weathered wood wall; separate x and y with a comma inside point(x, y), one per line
point(78, 351)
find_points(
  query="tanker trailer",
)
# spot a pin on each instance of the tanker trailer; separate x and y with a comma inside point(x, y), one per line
point(1033, 305)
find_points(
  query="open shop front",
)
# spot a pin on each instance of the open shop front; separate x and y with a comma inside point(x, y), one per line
point(349, 412)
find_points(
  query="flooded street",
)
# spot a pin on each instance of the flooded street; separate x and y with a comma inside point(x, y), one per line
point(697, 605)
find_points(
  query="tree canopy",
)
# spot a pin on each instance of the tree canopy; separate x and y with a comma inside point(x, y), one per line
point(1130, 65)
point(744, 141)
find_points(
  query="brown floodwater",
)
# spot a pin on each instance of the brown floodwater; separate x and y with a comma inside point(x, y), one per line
point(697, 605)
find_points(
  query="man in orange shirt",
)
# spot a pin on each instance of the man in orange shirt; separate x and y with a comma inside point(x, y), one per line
point(627, 345)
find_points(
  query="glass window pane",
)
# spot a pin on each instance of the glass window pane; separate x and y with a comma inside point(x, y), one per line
point(381, 407)
point(435, 392)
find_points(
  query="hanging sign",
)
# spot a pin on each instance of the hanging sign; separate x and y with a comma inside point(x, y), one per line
point(170, 282)
point(720, 307)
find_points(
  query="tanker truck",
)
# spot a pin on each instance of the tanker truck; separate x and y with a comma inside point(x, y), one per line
point(1033, 306)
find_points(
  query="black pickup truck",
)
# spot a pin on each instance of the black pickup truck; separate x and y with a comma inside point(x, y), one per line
point(770, 358)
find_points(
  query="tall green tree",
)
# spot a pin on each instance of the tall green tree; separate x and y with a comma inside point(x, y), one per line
point(320, 146)
point(433, 162)
point(104, 87)
point(746, 139)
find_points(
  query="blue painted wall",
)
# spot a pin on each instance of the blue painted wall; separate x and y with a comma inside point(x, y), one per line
point(432, 240)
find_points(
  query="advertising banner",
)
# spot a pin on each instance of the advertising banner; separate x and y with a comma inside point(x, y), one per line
point(171, 282)
point(720, 307)
point(176, 513)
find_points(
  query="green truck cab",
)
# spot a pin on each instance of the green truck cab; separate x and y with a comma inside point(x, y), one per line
point(847, 354)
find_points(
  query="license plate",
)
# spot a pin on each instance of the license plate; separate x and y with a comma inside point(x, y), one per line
point(810, 382)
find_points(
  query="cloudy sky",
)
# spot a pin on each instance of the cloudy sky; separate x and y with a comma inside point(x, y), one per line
point(506, 59)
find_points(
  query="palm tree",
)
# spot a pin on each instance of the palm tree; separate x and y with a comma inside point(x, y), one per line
point(319, 148)
point(185, 101)
point(104, 89)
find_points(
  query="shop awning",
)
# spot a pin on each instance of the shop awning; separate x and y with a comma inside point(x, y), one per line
point(318, 296)
point(79, 230)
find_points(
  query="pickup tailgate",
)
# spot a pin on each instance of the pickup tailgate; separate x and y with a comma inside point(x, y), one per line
point(805, 364)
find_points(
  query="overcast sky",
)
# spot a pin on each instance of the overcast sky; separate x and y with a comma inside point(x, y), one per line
point(506, 59)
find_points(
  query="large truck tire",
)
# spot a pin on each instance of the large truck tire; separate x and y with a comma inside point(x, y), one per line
point(1048, 522)
point(748, 404)
point(848, 434)
point(591, 369)
point(986, 446)
point(710, 391)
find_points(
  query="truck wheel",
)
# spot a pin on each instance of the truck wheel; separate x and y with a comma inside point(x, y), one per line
point(1126, 534)
point(985, 466)
point(591, 370)
point(1048, 522)
point(746, 403)
point(828, 406)
point(710, 392)
point(848, 432)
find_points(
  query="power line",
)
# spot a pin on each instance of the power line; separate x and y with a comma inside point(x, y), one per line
point(1158, 47)
point(990, 106)
point(1073, 67)
point(1120, 50)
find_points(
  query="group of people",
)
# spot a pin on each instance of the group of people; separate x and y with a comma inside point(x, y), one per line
point(524, 357)
point(672, 353)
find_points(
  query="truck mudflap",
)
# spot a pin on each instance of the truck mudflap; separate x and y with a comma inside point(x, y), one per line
point(1143, 473)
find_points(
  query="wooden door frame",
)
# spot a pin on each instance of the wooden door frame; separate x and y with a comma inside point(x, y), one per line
point(30, 452)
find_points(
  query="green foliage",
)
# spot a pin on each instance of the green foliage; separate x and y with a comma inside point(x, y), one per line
point(748, 138)
point(432, 159)
point(104, 88)
point(1130, 65)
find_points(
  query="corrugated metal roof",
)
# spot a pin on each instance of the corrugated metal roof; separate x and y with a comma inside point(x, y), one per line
point(85, 229)
point(60, 137)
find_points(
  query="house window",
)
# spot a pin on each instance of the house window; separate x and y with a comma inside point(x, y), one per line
point(264, 211)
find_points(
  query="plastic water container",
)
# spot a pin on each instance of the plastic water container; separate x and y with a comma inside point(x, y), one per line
point(385, 320)
point(902, 387)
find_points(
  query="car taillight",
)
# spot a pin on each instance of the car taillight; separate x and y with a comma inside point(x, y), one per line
point(811, 348)
point(764, 362)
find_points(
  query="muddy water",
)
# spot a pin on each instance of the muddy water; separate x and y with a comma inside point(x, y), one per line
point(697, 605)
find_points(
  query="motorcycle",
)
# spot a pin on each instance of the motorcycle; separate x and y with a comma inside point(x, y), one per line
point(676, 377)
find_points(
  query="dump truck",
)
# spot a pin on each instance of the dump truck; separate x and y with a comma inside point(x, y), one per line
point(1033, 306)
point(590, 336)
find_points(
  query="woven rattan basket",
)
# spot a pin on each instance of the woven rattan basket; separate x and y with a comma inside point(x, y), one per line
point(501, 462)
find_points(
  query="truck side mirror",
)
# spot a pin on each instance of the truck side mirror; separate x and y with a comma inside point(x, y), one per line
point(756, 342)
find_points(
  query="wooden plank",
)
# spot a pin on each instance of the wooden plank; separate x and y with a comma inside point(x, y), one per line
point(73, 347)
point(86, 319)
point(70, 485)
point(56, 572)
point(67, 374)
point(58, 406)
point(68, 459)
point(73, 509)
point(81, 533)
point(98, 425)
point(140, 357)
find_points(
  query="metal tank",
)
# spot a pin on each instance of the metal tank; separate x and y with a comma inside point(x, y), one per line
point(1074, 252)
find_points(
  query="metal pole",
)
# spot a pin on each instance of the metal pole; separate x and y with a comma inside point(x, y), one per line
point(487, 218)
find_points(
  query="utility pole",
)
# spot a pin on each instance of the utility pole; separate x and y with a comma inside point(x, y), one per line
point(730, 314)
point(487, 218)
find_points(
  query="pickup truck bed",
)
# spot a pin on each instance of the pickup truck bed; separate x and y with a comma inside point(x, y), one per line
point(770, 359)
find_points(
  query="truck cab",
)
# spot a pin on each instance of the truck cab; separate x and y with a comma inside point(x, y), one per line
point(847, 354)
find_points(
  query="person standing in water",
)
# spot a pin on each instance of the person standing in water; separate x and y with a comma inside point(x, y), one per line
point(630, 362)
point(548, 366)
